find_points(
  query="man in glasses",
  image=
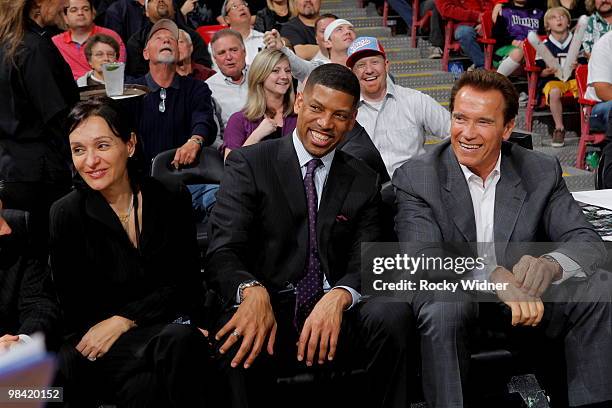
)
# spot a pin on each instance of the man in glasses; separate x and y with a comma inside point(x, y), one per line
point(79, 17)
point(236, 14)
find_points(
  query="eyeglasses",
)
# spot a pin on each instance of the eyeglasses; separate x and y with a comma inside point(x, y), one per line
point(235, 6)
point(162, 103)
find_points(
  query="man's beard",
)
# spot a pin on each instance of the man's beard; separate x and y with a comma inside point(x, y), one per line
point(166, 59)
point(163, 12)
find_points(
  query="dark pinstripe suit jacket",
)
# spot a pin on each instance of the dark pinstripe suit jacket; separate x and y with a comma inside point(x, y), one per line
point(259, 226)
point(27, 301)
point(532, 204)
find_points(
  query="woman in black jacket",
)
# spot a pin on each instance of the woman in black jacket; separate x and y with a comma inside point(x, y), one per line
point(125, 263)
point(274, 15)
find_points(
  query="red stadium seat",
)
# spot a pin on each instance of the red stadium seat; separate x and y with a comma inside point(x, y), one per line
point(486, 39)
point(418, 22)
point(206, 32)
point(586, 105)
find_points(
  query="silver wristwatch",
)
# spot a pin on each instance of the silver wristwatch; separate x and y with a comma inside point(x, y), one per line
point(245, 285)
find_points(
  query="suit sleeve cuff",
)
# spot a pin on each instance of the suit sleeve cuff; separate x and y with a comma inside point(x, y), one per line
point(356, 296)
point(569, 267)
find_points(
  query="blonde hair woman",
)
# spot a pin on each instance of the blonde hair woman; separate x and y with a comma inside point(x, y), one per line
point(268, 112)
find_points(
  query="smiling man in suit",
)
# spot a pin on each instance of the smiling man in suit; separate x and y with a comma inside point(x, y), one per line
point(478, 188)
point(285, 252)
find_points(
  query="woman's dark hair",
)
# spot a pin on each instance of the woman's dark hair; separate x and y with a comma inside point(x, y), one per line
point(117, 120)
point(100, 38)
point(484, 80)
point(103, 108)
point(337, 77)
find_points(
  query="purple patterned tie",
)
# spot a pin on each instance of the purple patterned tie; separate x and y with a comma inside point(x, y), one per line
point(309, 289)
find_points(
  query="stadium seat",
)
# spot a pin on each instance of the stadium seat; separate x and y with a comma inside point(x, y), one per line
point(206, 32)
point(586, 105)
point(207, 170)
point(450, 44)
point(418, 22)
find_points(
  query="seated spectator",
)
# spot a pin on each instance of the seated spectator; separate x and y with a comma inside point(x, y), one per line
point(468, 15)
point(276, 13)
point(156, 10)
point(27, 300)
point(79, 17)
point(300, 30)
point(185, 66)
point(397, 119)
point(557, 22)
point(178, 113)
point(268, 113)
point(126, 17)
point(512, 24)
point(100, 49)
point(575, 8)
point(600, 22)
point(338, 35)
point(238, 17)
point(120, 280)
point(229, 85)
point(600, 83)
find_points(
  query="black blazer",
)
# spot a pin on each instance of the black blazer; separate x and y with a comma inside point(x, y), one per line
point(358, 143)
point(97, 271)
point(259, 226)
point(27, 301)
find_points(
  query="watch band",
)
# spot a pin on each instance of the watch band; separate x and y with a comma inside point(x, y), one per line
point(246, 285)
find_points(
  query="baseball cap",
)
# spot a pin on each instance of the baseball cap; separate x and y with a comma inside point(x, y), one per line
point(333, 25)
point(164, 24)
point(363, 47)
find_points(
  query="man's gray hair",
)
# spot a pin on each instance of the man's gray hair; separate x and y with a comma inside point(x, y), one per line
point(187, 36)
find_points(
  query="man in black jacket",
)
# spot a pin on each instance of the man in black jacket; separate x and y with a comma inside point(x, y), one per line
point(286, 236)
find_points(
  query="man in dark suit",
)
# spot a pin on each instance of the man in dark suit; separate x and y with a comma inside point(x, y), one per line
point(478, 188)
point(286, 232)
point(27, 303)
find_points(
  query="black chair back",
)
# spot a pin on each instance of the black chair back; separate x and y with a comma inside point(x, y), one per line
point(208, 168)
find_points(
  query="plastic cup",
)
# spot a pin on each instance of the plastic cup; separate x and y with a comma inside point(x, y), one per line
point(113, 73)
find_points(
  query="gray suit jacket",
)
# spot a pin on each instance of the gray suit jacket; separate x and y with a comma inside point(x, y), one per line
point(532, 204)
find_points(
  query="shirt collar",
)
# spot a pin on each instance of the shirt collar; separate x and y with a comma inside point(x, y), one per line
point(468, 174)
point(67, 35)
point(153, 86)
point(565, 43)
point(303, 155)
point(231, 82)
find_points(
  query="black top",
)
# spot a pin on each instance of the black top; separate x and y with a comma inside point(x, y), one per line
point(136, 64)
point(267, 20)
point(37, 92)
point(125, 17)
point(97, 271)
point(298, 33)
point(188, 112)
point(27, 301)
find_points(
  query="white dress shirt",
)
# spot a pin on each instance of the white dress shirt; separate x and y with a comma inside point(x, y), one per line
point(399, 127)
point(230, 97)
point(483, 202)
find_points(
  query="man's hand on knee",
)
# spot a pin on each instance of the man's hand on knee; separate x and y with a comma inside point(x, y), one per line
point(322, 327)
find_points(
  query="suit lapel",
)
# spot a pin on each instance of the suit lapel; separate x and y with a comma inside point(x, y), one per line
point(336, 188)
point(290, 178)
point(509, 199)
point(457, 198)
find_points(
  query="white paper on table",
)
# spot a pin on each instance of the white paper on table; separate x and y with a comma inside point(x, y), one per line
point(600, 198)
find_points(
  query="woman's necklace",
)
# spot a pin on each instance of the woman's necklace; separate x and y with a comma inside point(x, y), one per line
point(125, 219)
